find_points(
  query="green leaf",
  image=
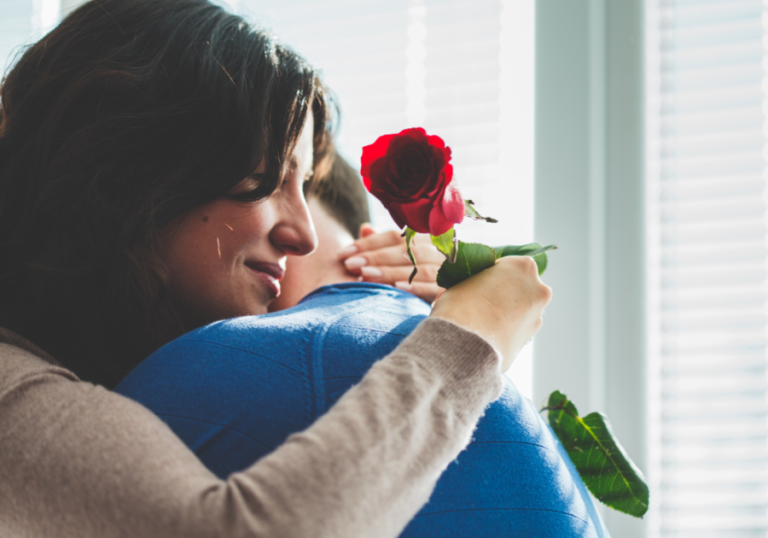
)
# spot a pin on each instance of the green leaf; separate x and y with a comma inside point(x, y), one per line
point(535, 250)
point(471, 259)
point(601, 461)
point(472, 213)
point(446, 244)
point(409, 235)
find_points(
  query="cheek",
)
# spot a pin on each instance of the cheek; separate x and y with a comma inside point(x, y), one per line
point(217, 235)
point(205, 244)
point(240, 225)
point(193, 258)
point(214, 237)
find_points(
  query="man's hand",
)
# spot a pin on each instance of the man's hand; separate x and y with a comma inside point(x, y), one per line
point(381, 257)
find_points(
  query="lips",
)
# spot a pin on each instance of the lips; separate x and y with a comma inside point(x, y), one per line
point(269, 273)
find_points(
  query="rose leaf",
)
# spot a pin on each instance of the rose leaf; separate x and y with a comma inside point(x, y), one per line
point(471, 258)
point(602, 462)
point(534, 250)
point(409, 235)
point(446, 244)
point(472, 213)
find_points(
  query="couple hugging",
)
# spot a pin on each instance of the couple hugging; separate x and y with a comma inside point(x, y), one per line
point(154, 156)
point(514, 478)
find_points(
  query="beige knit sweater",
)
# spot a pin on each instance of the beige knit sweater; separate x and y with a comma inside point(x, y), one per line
point(79, 461)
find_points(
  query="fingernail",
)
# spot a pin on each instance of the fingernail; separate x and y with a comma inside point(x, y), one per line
point(371, 272)
point(404, 286)
point(355, 262)
point(347, 251)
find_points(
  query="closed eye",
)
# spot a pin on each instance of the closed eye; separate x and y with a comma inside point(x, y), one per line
point(247, 190)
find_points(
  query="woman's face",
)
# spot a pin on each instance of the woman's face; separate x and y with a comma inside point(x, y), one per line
point(227, 258)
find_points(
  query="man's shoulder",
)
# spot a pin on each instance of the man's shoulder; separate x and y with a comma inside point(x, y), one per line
point(342, 318)
point(339, 308)
point(326, 306)
point(354, 318)
point(339, 295)
point(366, 324)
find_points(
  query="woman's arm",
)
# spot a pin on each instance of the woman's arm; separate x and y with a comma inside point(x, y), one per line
point(77, 460)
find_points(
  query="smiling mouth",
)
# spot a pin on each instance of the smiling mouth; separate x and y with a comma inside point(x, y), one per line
point(270, 274)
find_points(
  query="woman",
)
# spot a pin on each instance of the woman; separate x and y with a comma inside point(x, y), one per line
point(152, 155)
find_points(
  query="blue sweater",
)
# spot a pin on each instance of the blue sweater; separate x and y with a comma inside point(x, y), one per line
point(235, 390)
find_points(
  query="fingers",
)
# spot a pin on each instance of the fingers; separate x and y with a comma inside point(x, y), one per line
point(366, 230)
point(372, 242)
point(390, 275)
point(526, 268)
point(394, 257)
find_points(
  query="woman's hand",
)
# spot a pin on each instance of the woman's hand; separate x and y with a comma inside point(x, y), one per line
point(381, 257)
point(503, 304)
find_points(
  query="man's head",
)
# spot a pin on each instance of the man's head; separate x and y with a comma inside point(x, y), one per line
point(339, 208)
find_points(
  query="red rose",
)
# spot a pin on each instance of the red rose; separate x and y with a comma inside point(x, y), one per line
point(411, 175)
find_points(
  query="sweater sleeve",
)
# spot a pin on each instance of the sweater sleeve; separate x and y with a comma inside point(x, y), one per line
point(78, 460)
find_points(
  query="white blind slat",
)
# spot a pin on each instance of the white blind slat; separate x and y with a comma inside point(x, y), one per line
point(711, 445)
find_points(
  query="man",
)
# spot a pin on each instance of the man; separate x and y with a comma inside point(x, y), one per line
point(235, 390)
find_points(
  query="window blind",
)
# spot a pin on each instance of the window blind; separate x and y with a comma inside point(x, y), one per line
point(402, 63)
point(707, 174)
point(463, 98)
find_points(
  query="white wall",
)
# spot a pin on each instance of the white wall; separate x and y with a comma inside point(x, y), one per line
point(589, 193)
point(15, 28)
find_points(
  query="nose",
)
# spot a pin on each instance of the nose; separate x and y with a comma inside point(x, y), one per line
point(293, 233)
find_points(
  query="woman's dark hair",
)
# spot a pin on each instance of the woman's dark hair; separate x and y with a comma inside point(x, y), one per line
point(128, 115)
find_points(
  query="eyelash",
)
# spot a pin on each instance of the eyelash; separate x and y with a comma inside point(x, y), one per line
point(251, 196)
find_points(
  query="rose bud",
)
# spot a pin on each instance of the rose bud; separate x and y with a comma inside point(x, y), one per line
point(410, 173)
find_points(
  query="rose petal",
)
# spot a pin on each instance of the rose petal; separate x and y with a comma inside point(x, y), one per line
point(397, 214)
point(437, 142)
point(416, 214)
point(448, 169)
point(438, 224)
point(374, 152)
point(378, 172)
point(417, 133)
point(453, 205)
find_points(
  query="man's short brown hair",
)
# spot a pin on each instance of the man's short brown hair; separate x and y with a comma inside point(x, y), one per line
point(343, 195)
